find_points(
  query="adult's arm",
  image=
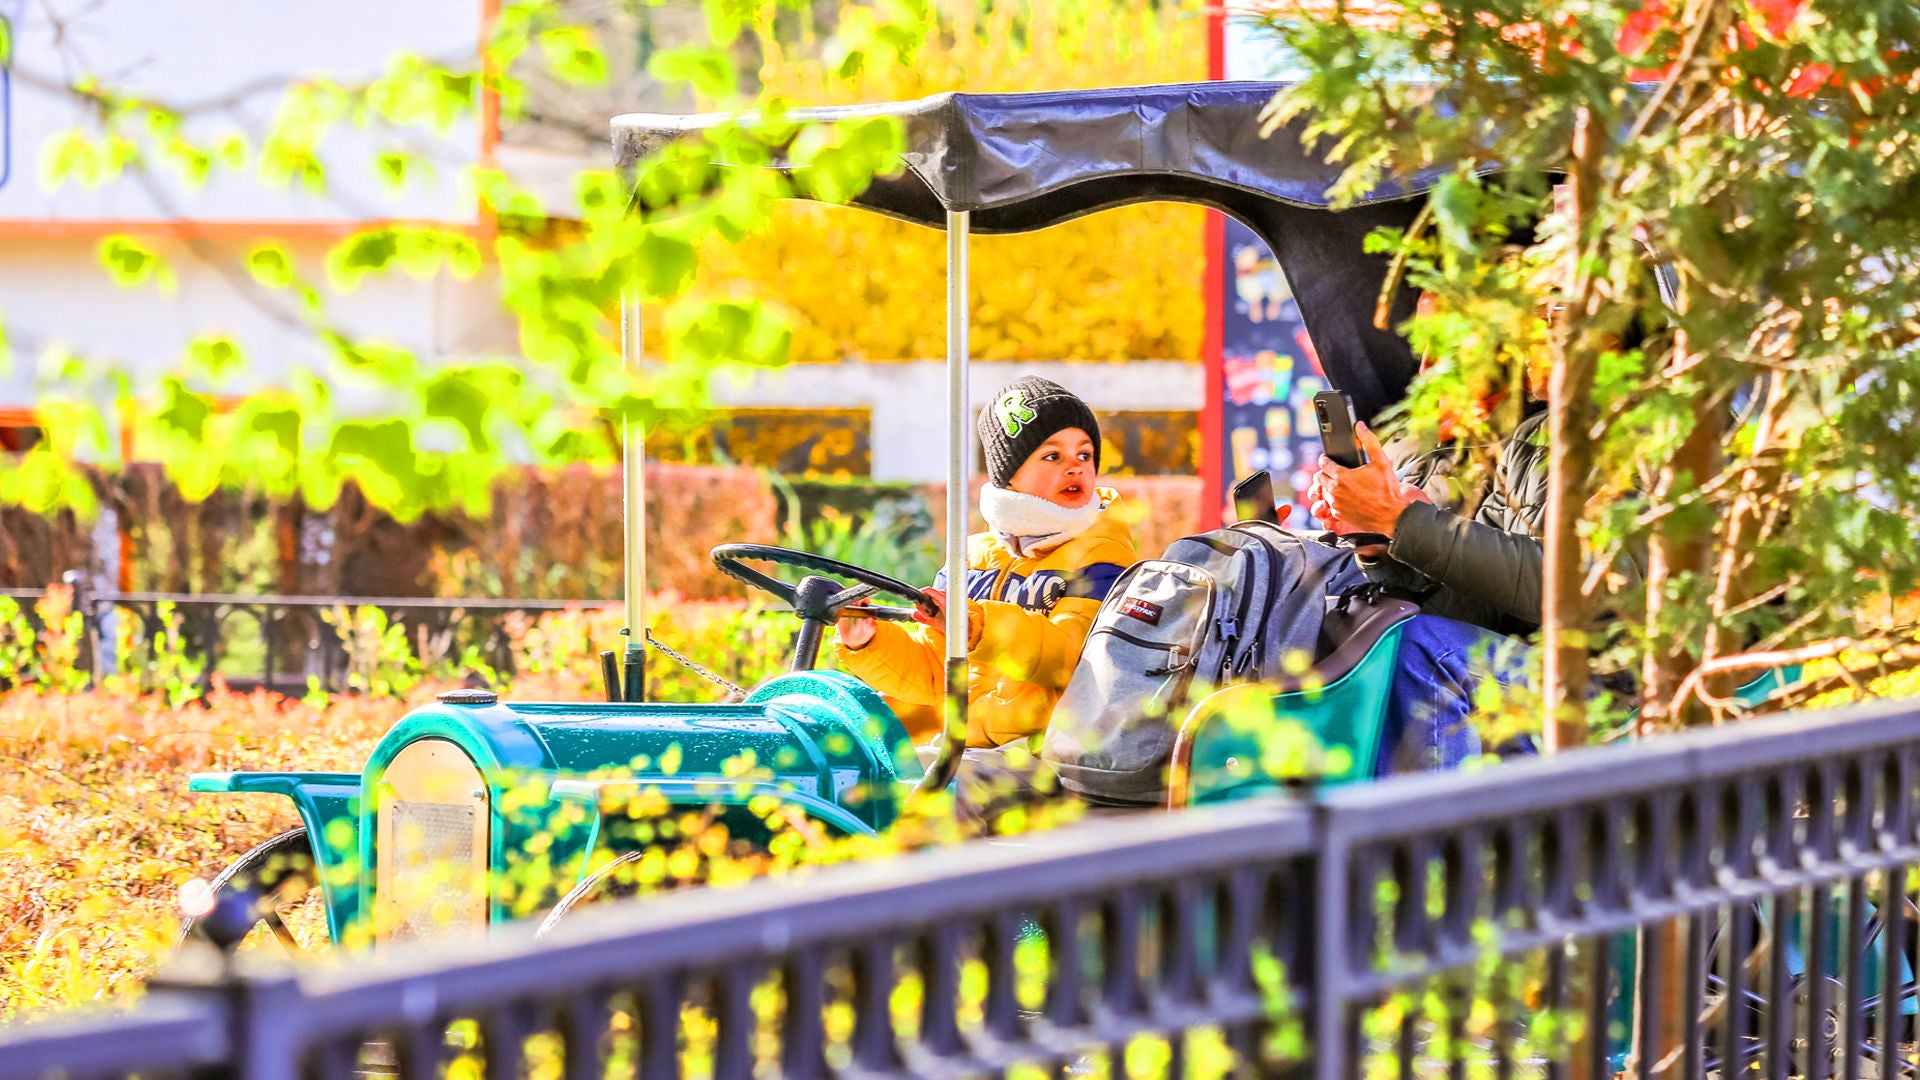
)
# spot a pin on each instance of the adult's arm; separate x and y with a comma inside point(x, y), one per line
point(1479, 561)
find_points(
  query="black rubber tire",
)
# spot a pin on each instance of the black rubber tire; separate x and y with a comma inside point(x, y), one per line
point(274, 867)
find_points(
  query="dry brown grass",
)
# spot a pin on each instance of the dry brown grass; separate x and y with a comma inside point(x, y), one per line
point(98, 830)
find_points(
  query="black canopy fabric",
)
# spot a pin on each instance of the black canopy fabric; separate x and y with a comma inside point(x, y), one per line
point(1020, 162)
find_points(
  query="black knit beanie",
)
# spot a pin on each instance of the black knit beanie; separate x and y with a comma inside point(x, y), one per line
point(1024, 414)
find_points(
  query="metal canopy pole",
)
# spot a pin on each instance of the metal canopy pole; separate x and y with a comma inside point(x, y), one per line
point(959, 466)
point(633, 491)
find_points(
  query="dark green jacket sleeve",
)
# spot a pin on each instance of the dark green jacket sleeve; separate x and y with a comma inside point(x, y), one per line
point(1482, 563)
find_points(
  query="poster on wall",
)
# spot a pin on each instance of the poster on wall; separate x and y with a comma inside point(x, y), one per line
point(1268, 374)
point(1262, 370)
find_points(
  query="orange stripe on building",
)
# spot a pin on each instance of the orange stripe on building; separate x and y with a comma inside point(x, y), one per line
point(187, 229)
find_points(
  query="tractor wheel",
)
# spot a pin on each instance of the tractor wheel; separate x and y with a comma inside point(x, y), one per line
point(1755, 1008)
point(613, 881)
point(617, 881)
point(270, 893)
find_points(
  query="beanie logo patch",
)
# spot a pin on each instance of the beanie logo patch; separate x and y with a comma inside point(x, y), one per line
point(1013, 412)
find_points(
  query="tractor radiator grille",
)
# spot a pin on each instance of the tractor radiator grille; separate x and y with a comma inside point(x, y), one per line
point(433, 868)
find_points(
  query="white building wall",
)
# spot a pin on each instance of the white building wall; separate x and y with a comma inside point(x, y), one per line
point(55, 296)
point(226, 65)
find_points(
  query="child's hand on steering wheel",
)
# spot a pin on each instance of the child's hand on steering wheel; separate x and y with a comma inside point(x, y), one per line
point(855, 630)
point(938, 622)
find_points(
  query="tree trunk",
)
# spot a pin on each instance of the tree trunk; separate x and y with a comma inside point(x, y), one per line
point(288, 518)
point(1743, 518)
point(1564, 608)
point(1672, 551)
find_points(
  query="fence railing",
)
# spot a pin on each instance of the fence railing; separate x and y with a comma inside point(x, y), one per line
point(279, 642)
point(1708, 904)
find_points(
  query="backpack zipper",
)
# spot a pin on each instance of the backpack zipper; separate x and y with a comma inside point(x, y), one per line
point(1273, 576)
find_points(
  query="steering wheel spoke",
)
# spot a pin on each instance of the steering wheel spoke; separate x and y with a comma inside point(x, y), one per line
point(851, 595)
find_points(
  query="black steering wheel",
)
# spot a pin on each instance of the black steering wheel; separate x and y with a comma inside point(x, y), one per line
point(820, 598)
point(825, 602)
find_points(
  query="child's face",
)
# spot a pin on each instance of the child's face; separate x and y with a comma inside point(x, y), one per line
point(1060, 471)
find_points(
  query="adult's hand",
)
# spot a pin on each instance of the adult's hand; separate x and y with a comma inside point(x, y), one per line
point(1368, 499)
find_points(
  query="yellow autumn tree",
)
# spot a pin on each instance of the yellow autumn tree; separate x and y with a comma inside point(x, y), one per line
point(1123, 284)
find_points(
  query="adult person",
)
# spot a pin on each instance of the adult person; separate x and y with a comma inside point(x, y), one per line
point(1054, 544)
point(1479, 580)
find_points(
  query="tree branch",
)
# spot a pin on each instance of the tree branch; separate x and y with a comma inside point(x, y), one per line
point(1882, 649)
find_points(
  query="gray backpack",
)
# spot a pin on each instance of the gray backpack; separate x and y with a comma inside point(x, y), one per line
point(1223, 607)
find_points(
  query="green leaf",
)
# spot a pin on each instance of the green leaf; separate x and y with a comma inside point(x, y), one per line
point(664, 264)
point(380, 455)
point(573, 55)
point(63, 155)
point(230, 150)
point(182, 411)
point(389, 364)
point(600, 193)
point(132, 263)
point(459, 396)
point(393, 167)
point(837, 162)
point(271, 265)
point(359, 255)
point(706, 333)
point(708, 70)
point(216, 355)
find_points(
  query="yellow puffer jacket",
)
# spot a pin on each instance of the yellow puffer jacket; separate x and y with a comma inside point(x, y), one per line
point(1028, 617)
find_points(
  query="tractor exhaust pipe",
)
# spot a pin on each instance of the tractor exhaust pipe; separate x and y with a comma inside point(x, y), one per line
point(633, 489)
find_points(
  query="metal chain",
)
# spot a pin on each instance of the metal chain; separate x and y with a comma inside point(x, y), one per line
point(735, 692)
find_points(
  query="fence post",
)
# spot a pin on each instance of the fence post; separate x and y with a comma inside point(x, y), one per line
point(261, 1012)
point(1327, 951)
point(91, 638)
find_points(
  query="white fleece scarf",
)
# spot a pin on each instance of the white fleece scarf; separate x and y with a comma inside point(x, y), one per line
point(1030, 525)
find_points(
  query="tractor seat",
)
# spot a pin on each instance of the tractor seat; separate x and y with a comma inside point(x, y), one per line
point(1321, 726)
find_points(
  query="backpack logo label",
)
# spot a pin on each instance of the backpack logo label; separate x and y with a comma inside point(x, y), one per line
point(1134, 607)
point(1013, 412)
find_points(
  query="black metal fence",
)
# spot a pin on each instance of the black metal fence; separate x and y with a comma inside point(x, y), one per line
point(1720, 903)
point(280, 642)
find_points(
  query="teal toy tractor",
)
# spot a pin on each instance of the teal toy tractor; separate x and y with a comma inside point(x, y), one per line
point(473, 811)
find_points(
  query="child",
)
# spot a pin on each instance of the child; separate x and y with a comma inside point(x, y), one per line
point(1035, 579)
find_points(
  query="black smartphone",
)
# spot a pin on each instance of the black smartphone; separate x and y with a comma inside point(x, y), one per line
point(1253, 498)
point(1334, 410)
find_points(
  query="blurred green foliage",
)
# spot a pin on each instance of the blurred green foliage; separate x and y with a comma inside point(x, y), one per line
point(450, 429)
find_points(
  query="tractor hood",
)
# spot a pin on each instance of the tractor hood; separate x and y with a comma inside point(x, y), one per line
point(821, 737)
